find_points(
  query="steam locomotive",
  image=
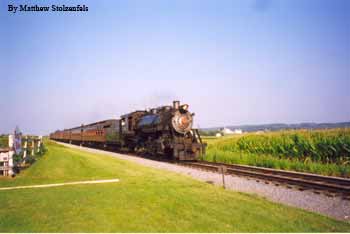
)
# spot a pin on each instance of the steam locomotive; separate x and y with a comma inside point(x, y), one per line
point(165, 131)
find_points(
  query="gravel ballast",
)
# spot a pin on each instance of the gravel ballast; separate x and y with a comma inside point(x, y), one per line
point(334, 207)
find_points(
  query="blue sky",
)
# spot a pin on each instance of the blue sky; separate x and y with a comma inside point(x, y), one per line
point(234, 62)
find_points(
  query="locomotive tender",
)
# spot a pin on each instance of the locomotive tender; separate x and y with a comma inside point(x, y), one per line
point(166, 130)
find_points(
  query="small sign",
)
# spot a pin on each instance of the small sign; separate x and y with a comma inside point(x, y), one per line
point(17, 145)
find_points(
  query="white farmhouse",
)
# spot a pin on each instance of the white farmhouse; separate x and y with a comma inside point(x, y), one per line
point(227, 131)
point(6, 161)
point(6, 154)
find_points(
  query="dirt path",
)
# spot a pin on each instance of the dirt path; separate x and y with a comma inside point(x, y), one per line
point(61, 184)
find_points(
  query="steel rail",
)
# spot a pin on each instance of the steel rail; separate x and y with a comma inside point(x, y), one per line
point(304, 180)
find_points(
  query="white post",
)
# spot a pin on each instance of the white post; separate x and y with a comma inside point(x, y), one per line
point(38, 149)
point(10, 165)
point(33, 147)
point(25, 149)
point(11, 141)
point(40, 142)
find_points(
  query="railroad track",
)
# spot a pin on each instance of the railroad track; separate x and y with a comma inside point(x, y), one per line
point(331, 186)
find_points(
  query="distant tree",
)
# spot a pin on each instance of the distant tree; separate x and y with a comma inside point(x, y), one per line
point(207, 133)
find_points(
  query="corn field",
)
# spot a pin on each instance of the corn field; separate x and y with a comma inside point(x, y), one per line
point(327, 146)
point(302, 148)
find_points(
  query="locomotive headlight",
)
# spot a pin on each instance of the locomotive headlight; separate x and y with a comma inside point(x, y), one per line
point(182, 123)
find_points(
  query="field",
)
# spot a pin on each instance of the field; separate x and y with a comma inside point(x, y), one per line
point(324, 152)
point(145, 200)
point(3, 141)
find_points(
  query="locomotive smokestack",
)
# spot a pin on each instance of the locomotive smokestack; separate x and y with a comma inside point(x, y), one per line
point(176, 105)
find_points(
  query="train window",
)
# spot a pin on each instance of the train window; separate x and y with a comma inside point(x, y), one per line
point(107, 126)
point(149, 119)
point(156, 120)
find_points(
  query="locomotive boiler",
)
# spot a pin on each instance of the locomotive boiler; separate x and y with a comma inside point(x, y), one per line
point(165, 130)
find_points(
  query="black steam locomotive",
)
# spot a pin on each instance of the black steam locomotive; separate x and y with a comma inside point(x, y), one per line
point(166, 130)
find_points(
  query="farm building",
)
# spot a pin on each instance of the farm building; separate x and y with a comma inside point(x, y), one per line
point(6, 161)
point(6, 154)
point(227, 131)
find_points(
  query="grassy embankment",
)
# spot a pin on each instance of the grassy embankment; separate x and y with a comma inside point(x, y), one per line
point(325, 152)
point(145, 200)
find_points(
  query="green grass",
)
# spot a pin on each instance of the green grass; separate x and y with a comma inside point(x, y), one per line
point(145, 200)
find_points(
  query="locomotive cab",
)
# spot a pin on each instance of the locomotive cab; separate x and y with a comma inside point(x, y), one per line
point(128, 122)
point(127, 128)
